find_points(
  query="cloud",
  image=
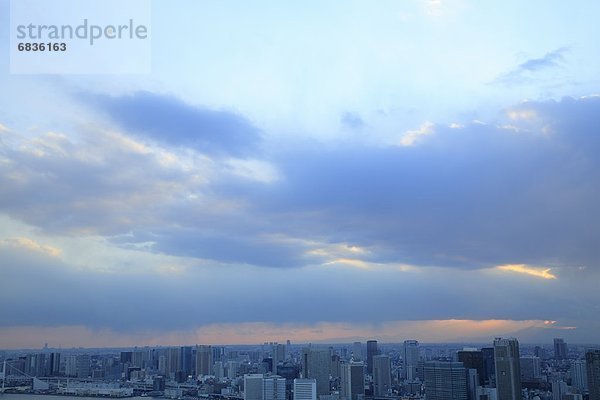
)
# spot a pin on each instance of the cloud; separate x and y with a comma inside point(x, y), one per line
point(29, 244)
point(352, 120)
point(101, 184)
point(321, 224)
point(471, 196)
point(544, 273)
point(529, 70)
point(171, 121)
point(549, 60)
point(411, 137)
point(87, 296)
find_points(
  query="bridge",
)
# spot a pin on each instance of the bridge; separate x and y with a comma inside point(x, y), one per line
point(17, 375)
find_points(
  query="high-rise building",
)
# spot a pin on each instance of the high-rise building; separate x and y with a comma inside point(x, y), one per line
point(352, 385)
point(71, 365)
point(83, 366)
point(336, 366)
point(489, 365)
point(508, 371)
point(531, 369)
point(162, 364)
point(472, 383)
point(138, 358)
point(305, 389)
point(579, 375)
point(232, 369)
point(266, 365)
point(35, 364)
point(382, 375)
point(316, 364)
point(445, 381)
point(473, 359)
point(411, 359)
point(559, 389)
point(203, 360)
point(372, 351)
point(357, 354)
point(560, 349)
point(185, 359)
point(54, 364)
point(219, 370)
point(592, 363)
point(253, 387)
point(218, 353)
point(278, 351)
point(126, 357)
point(173, 361)
point(274, 388)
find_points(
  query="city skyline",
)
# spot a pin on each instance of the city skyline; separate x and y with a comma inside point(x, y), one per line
point(275, 371)
point(324, 172)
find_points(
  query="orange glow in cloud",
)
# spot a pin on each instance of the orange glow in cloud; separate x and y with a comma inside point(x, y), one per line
point(543, 273)
point(30, 245)
point(452, 330)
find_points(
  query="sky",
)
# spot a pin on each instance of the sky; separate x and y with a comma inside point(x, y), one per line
point(319, 171)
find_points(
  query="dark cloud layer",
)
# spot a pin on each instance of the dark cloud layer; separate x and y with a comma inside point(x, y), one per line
point(62, 294)
point(455, 204)
point(521, 190)
point(171, 121)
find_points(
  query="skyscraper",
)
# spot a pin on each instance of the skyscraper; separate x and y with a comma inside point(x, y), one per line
point(489, 365)
point(172, 361)
point(382, 375)
point(203, 360)
point(508, 371)
point(253, 387)
point(305, 389)
point(54, 364)
point(357, 353)
point(473, 359)
point(579, 375)
point(83, 365)
point(372, 350)
point(592, 362)
point(185, 359)
point(411, 359)
point(560, 349)
point(232, 369)
point(278, 351)
point(472, 383)
point(530, 368)
point(316, 364)
point(445, 381)
point(353, 381)
point(273, 388)
point(219, 370)
point(559, 389)
point(336, 366)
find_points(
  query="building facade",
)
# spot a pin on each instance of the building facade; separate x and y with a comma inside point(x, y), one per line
point(445, 381)
point(508, 371)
